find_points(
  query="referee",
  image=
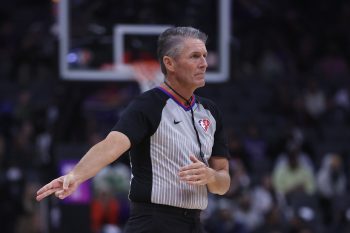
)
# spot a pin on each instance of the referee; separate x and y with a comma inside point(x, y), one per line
point(175, 140)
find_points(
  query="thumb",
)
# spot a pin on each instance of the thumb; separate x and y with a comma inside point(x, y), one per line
point(66, 181)
point(194, 158)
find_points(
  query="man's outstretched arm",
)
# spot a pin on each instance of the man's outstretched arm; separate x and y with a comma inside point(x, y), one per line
point(99, 156)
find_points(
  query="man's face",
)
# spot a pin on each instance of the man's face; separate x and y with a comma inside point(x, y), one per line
point(191, 64)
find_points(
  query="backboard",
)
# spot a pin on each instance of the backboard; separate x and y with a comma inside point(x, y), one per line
point(99, 40)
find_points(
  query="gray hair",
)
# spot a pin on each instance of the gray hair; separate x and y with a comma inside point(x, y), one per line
point(171, 40)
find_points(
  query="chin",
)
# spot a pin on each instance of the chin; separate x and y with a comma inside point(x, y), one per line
point(201, 84)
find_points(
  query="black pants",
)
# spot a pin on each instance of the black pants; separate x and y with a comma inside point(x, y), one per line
point(154, 218)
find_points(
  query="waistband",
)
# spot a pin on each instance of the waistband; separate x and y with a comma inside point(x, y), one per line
point(165, 208)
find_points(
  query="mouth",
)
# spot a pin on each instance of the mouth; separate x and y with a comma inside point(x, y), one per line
point(200, 75)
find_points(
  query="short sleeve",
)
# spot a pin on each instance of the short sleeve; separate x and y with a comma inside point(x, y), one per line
point(141, 118)
point(220, 147)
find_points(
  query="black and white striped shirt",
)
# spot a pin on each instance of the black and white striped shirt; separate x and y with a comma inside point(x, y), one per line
point(162, 139)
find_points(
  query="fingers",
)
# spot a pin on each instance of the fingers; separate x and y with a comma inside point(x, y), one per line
point(60, 186)
point(49, 188)
point(194, 165)
point(56, 183)
point(194, 179)
point(63, 193)
point(42, 195)
point(68, 187)
point(193, 176)
point(194, 173)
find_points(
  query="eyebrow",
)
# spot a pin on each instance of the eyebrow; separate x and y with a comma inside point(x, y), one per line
point(199, 51)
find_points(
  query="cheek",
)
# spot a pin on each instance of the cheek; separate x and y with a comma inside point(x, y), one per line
point(189, 69)
point(185, 71)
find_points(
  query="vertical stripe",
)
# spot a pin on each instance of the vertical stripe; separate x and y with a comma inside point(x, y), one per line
point(171, 146)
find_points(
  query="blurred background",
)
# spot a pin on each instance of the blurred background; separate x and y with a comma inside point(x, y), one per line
point(284, 94)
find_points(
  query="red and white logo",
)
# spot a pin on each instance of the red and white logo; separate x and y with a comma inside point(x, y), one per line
point(205, 123)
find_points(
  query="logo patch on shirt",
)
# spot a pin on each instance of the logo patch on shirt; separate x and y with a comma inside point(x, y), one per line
point(205, 123)
point(176, 122)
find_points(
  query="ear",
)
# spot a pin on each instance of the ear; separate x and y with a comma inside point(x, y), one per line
point(169, 63)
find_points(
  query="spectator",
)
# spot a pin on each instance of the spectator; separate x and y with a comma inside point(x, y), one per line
point(295, 145)
point(264, 196)
point(236, 148)
point(29, 221)
point(331, 178)
point(255, 148)
point(331, 183)
point(274, 221)
point(223, 220)
point(105, 209)
point(293, 176)
point(341, 101)
point(24, 109)
point(247, 214)
point(315, 103)
point(342, 98)
point(240, 179)
point(332, 64)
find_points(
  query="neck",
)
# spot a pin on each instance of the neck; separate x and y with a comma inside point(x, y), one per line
point(185, 98)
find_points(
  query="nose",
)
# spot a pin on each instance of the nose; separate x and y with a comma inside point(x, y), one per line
point(203, 63)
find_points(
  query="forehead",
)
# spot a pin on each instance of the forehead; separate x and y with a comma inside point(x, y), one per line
point(191, 45)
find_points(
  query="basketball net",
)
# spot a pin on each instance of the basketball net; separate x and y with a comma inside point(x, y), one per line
point(147, 73)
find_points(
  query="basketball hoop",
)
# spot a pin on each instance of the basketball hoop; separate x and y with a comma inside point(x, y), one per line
point(147, 73)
